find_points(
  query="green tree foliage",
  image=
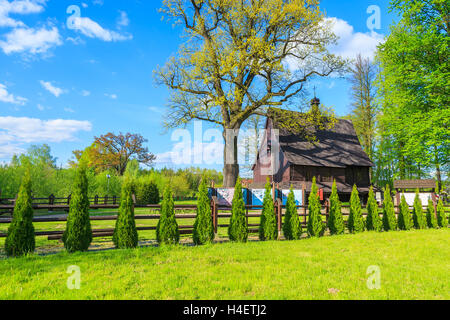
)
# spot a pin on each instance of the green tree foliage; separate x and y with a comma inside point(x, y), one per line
point(431, 216)
point(418, 216)
point(315, 224)
point(292, 227)
point(355, 220)
point(238, 229)
point(147, 191)
point(125, 233)
point(203, 226)
point(78, 233)
point(373, 221)
point(405, 221)
point(20, 240)
point(268, 227)
point(389, 219)
point(335, 220)
point(167, 229)
point(442, 219)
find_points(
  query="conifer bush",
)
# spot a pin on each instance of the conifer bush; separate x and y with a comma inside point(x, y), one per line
point(373, 221)
point(315, 224)
point(389, 218)
point(418, 216)
point(21, 238)
point(442, 219)
point(167, 228)
point(147, 192)
point(203, 226)
point(292, 227)
point(125, 233)
point(431, 216)
point(268, 226)
point(355, 219)
point(335, 219)
point(404, 217)
point(238, 229)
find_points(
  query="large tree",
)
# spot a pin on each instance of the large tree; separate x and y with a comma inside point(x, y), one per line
point(240, 57)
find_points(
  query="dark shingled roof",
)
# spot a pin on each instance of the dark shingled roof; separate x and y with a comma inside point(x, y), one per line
point(337, 148)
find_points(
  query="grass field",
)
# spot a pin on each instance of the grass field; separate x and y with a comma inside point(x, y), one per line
point(413, 265)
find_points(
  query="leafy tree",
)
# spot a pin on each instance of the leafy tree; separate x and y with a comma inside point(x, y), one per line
point(373, 221)
point(125, 233)
point(335, 219)
point(315, 223)
point(418, 216)
point(203, 226)
point(389, 219)
point(355, 220)
point(147, 192)
point(21, 239)
point(405, 221)
point(167, 228)
point(442, 219)
point(292, 227)
point(238, 229)
point(268, 227)
point(78, 233)
point(431, 216)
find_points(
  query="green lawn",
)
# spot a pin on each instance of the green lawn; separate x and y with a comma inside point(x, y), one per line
point(414, 265)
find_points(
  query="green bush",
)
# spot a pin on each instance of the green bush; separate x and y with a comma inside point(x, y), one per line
point(238, 229)
point(78, 234)
point(315, 224)
point(147, 192)
point(268, 226)
point(355, 220)
point(167, 228)
point(125, 233)
point(418, 216)
point(203, 226)
point(373, 221)
point(389, 219)
point(431, 216)
point(21, 239)
point(335, 219)
point(404, 217)
point(442, 219)
point(292, 227)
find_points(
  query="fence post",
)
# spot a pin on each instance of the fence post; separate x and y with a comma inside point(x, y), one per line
point(214, 211)
point(106, 200)
point(279, 213)
point(114, 199)
point(68, 199)
point(96, 199)
point(327, 210)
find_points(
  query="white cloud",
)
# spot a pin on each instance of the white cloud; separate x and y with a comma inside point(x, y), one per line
point(92, 29)
point(7, 97)
point(112, 96)
point(51, 88)
point(29, 40)
point(84, 5)
point(18, 7)
point(69, 110)
point(8, 150)
point(123, 20)
point(85, 93)
point(156, 109)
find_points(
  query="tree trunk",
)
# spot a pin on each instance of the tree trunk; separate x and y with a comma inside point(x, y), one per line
point(230, 157)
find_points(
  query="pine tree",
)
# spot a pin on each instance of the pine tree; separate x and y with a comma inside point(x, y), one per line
point(78, 234)
point(418, 217)
point(238, 229)
point(292, 227)
point(167, 228)
point(431, 216)
point(442, 219)
point(315, 223)
point(335, 219)
point(389, 219)
point(21, 239)
point(268, 226)
point(355, 220)
point(203, 226)
point(373, 221)
point(404, 217)
point(125, 233)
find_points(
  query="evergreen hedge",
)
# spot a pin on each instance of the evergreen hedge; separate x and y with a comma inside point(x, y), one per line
point(292, 227)
point(418, 216)
point(268, 228)
point(78, 233)
point(21, 238)
point(404, 217)
point(203, 226)
point(373, 221)
point(355, 220)
point(238, 229)
point(125, 233)
point(167, 228)
point(442, 219)
point(315, 224)
point(389, 219)
point(335, 219)
point(147, 192)
point(431, 216)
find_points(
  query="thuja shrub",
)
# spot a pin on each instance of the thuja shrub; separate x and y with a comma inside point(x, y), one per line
point(167, 228)
point(203, 226)
point(404, 217)
point(78, 234)
point(268, 227)
point(292, 227)
point(147, 192)
point(238, 229)
point(21, 239)
point(431, 216)
point(442, 219)
point(373, 221)
point(125, 233)
point(315, 224)
point(389, 219)
point(418, 216)
point(355, 219)
point(335, 219)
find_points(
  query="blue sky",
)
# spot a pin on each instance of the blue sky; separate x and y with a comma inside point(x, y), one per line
point(62, 86)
